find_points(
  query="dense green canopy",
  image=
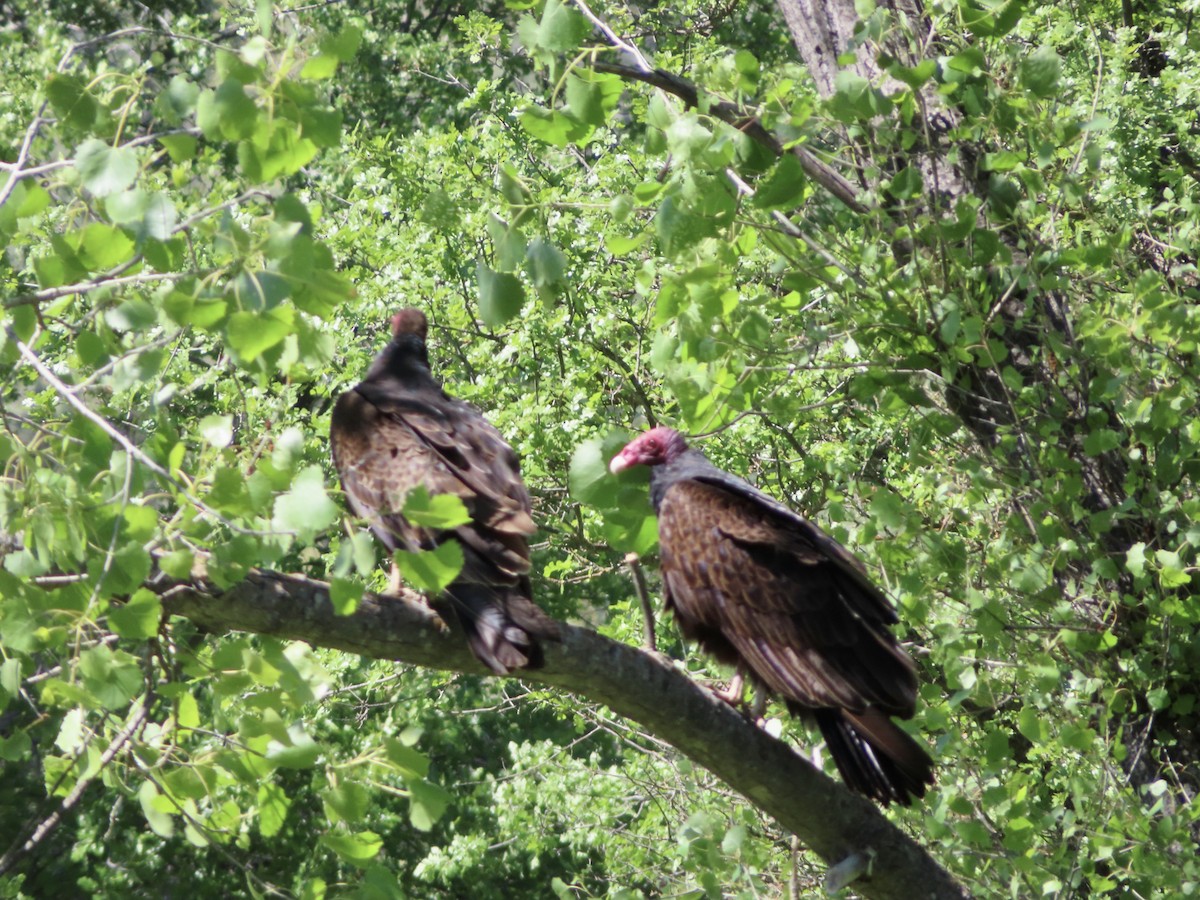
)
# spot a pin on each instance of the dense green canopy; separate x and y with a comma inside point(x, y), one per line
point(924, 272)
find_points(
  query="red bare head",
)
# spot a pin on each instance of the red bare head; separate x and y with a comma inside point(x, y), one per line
point(655, 447)
point(409, 321)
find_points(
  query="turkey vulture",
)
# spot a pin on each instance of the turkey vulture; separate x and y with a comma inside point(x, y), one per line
point(398, 430)
point(762, 588)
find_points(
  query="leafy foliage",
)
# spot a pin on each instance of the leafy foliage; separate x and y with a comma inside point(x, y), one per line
point(204, 227)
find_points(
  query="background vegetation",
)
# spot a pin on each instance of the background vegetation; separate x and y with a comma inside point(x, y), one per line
point(984, 385)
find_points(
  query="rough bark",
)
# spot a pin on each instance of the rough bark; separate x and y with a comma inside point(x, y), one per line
point(643, 687)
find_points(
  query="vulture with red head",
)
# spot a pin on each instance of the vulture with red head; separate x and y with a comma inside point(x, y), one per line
point(763, 589)
point(398, 430)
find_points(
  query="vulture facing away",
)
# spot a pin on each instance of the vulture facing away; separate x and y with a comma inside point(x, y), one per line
point(397, 430)
point(762, 588)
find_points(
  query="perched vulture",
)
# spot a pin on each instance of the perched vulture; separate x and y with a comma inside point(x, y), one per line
point(397, 430)
point(762, 588)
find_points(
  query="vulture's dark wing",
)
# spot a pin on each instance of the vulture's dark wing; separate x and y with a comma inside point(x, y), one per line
point(385, 445)
point(798, 616)
point(388, 440)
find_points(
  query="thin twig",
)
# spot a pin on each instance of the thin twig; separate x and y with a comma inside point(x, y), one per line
point(67, 394)
point(52, 821)
point(639, 585)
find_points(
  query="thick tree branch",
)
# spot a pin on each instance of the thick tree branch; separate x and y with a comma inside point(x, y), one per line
point(638, 685)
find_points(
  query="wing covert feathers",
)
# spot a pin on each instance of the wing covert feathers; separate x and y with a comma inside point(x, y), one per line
point(397, 430)
point(758, 585)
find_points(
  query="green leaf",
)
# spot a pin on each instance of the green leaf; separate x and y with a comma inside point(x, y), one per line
point(344, 45)
point(69, 97)
point(305, 509)
point(177, 564)
point(441, 511)
point(545, 263)
point(258, 291)
point(299, 751)
point(560, 29)
point(252, 333)
point(139, 618)
point(1171, 571)
point(348, 802)
point(1040, 72)
point(585, 99)
point(588, 475)
point(176, 103)
point(227, 113)
point(105, 170)
point(132, 315)
point(427, 802)
point(113, 677)
point(501, 295)
point(345, 595)
point(1135, 559)
point(356, 849)
point(318, 68)
point(216, 430)
point(431, 571)
point(783, 187)
point(553, 127)
point(70, 734)
point(273, 804)
point(157, 809)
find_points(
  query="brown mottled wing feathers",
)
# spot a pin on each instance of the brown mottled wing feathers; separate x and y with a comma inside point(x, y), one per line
point(781, 604)
point(385, 446)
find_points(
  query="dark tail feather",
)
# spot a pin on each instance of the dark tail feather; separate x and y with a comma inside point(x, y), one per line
point(501, 625)
point(876, 757)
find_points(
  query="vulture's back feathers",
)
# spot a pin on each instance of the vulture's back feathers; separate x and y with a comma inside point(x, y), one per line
point(758, 585)
point(398, 430)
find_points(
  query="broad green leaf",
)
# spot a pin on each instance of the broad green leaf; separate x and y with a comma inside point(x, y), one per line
point(102, 246)
point(545, 263)
point(553, 127)
point(157, 809)
point(113, 677)
point(70, 734)
point(105, 170)
point(216, 430)
point(784, 187)
point(427, 802)
point(139, 618)
point(1135, 559)
point(299, 751)
point(318, 68)
point(69, 96)
point(176, 564)
point(356, 849)
point(1040, 72)
point(133, 314)
point(227, 113)
point(252, 333)
point(305, 509)
point(501, 295)
point(440, 511)
point(345, 594)
point(431, 571)
point(273, 804)
point(346, 803)
point(257, 291)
